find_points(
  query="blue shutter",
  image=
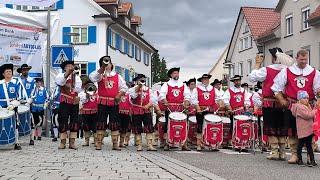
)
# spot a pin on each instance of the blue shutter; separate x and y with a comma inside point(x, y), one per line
point(127, 75)
point(126, 46)
point(92, 34)
point(118, 69)
point(140, 55)
point(9, 6)
point(136, 52)
point(118, 41)
point(144, 57)
point(132, 50)
point(59, 4)
point(109, 37)
point(91, 67)
point(66, 39)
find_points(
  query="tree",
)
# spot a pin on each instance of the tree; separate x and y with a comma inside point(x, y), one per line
point(158, 68)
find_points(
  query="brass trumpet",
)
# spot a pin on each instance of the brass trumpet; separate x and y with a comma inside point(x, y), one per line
point(90, 89)
point(76, 68)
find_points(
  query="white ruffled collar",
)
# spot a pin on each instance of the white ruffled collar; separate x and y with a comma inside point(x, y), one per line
point(297, 71)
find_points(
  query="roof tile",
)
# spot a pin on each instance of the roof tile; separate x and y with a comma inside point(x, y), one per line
point(125, 8)
point(315, 14)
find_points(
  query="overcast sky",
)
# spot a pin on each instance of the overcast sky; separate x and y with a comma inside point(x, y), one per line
point(191, 34)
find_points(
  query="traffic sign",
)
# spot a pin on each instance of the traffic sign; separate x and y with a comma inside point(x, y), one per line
point(61, 53)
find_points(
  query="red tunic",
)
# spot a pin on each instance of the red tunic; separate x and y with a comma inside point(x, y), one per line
point(90, 107)
point(108, 88)
point(236, 99)
point(207, 100)
point(269, 100)
point(67, 96)
point(297, 83)
point(141, 100)
point(125, 105)
point(175, 97)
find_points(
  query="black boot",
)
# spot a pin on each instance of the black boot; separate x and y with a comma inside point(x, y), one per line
point(300, 162)
point(313, 163)
point(31, 142)
point(17, 147)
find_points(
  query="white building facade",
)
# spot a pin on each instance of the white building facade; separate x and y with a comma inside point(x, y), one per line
point(101, 33)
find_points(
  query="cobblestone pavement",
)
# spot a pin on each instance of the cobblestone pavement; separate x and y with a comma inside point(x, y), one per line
point(45, 161)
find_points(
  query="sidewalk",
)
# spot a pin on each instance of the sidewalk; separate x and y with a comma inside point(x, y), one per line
point(45, 161)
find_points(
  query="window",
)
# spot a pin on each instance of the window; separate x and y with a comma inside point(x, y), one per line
point(127, 22)
point(245, 43)
point(245, 27)
point(83, 68)
point(309, 53)
point(83, 34)
point(249, 66)
point(232, 71)
point(130, 53)
point(113, 39)
point(289, 25)
point(146, 58)
point(305, 16)
point(122, 45)
point(240, 68)
point(138, 53)
point(290, 53)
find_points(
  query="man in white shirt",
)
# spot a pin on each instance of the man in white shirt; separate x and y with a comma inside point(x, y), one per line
point(218, 85)
point(236, 100)
point(70, 85)
point(299, 76)
point(111, 87)
point(175, 96)
point(207, 100)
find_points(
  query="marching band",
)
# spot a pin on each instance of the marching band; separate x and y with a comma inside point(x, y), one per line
point(186, 114)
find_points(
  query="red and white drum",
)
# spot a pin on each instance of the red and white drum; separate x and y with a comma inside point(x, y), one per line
point(162, 121)
point(192, 130)
point(265, 139)
point(226, 131)
point(177, 129)
point(212, 132)
point(254, 120)
point(242, 132)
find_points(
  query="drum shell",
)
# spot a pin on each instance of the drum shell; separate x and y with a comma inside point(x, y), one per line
point(8, 127)
point(192, 130)
point(161, 123)
point(212, 131)
point(177, 129)
point(24, 120)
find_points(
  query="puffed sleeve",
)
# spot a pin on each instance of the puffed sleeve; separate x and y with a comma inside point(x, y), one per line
point(163, 91)
point(226, 98)
point(95, 76)
point(258, 75)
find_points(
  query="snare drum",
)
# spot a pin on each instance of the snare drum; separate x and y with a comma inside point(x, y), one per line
point(212, 131)
point(226, 131)
point(192, 130)
point(24, 120)
point(177, 129)
point(162, 121)
point(8, 127)
point(242, 132)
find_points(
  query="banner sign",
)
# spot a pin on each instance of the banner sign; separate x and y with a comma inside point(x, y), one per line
point(20, 45)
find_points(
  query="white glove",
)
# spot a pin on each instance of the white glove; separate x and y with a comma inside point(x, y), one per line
point(30, 100)
point(45, 105)
point(10, 107)
point(15, 103)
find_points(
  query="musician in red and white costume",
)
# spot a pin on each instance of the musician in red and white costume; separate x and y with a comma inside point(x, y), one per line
point(125, 113)
point(111, 87)
point(89, 109)
point(207, 100)
point(142, 103)
point(299, 76)
point(70, 84)
point(159, 109)
point(236, 100)
point(176, 96)
point(273, 124)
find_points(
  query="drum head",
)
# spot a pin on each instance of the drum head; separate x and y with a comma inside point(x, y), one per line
point(178, 116)
point(23, 109)
point(4, 114)
point(162, 119)
point(212, 118)
point(193, 119)
point(242, 117)
point(226, 120)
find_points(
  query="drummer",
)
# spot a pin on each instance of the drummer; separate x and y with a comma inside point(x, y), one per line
point(9, 98)
point(236, 99)
point(28, 84)
point(175, 96)
point(218, 85)
point(207, 100)
point(41, 97)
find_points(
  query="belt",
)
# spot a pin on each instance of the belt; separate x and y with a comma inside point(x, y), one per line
point(270, 99)
point(57, 102)
point(106, 98)
point(71, 97)
point(38, 105)
point(175, 104)
point(5, 100)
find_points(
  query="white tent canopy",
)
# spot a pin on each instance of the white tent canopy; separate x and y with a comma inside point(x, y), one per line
point(40, 3)
point(21, 18)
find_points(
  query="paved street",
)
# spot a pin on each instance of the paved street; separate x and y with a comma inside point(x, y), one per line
point(45, 161)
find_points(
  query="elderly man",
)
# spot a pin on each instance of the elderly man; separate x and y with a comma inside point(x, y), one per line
point(299, 76)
